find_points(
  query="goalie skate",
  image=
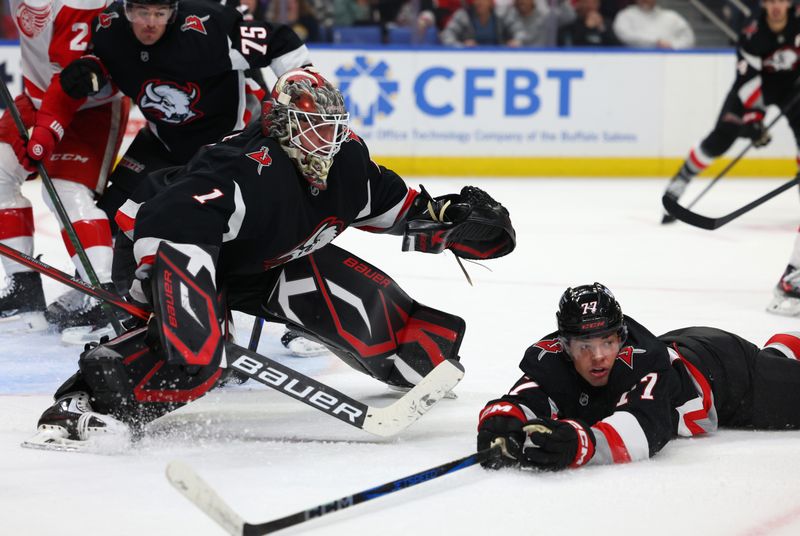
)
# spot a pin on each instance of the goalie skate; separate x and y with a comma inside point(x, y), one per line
point(70, 425)
point(299, 346)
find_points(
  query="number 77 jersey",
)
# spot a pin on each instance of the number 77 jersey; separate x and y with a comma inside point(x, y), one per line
point(633, 416)
point(51, 35)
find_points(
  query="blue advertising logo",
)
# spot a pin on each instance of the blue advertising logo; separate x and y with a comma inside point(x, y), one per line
point(367, 89)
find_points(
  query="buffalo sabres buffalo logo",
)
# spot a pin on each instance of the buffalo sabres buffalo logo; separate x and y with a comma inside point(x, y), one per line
point(262, 157)
point(193, 22)
point(104, 19)
point(324, 234)
point(169, 102)
point(783, 59)
point(547, 346)
point(33, 19)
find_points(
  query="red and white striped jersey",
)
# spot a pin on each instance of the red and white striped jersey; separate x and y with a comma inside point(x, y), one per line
point(53, 33)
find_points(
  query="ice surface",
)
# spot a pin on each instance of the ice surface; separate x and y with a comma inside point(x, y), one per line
point(269, 455)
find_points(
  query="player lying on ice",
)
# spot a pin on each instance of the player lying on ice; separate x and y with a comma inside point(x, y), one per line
point(252, 218)
point(603, 389)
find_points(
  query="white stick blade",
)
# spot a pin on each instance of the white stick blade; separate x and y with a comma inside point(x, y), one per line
point(184, 479)
point(431, 389)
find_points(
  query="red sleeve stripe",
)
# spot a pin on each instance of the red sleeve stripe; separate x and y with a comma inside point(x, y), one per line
point(786, 343)
point(389, 218)
point(523, 387)
point(619, 453)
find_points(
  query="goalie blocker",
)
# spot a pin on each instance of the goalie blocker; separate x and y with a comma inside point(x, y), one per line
point(331, 296)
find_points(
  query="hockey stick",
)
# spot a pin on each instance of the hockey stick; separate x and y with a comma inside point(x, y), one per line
point(59, 206)
point(669, 218)
point(78, 284)
point(194, 488)
point(384, 422)
point(704, 222)
point(255, 335)
point(381, 421)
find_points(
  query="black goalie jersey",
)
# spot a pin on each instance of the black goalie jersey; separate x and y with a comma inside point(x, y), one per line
point(652, 395)
point(190, 84)
point(244, 198)
point(767, 61)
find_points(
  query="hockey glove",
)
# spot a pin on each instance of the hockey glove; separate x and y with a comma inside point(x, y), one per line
point(46, 133)
point(753, 128)
point(501, 422)
point(83, 77)
point(558, 444)
point(471, 224)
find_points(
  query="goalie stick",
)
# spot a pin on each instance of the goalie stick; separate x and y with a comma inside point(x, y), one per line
point(194, 488)
point(380, 421)
point(704, 222)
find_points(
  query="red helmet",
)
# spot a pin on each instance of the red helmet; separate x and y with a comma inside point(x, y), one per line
point(307, 115)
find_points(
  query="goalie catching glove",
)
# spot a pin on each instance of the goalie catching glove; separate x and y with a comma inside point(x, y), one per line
point(470, 224)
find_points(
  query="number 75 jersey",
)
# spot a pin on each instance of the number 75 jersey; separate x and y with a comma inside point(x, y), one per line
point(53, 33)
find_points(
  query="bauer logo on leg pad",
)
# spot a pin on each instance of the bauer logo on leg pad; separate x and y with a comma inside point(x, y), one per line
point(186, 310)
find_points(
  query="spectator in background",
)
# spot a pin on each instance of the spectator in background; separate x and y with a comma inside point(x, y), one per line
point(252, 9)
point(646, 25)
point(540, 23)
point(479, 24)
point(443, 11)
point(590, 28)
point(298, 15)
point(8, 30)
point(352, 12)
point(416, 15)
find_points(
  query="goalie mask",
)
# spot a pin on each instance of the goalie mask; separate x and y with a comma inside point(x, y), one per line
point(306, 114)
point(589, 311)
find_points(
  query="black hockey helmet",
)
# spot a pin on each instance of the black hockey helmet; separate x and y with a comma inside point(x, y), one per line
point(589, 311)
point(130, 6)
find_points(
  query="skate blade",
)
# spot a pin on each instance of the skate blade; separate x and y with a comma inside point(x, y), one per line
point(24, 323)
point(101, 443)
point(668, 218)
point(53, 440)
